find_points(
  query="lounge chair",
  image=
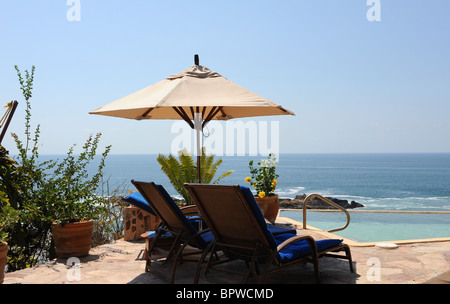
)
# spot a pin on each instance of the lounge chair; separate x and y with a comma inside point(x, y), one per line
point(191, 212)
point(136, 199)
point(240, 232)
point(173, 223)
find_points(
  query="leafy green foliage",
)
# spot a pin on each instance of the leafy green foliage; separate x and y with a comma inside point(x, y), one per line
point(70, 193)
point(110, 225)
point(184, 170)
point(8, 216)
point(34, 193)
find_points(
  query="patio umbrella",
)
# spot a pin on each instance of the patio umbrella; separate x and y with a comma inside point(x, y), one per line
point(196, 95)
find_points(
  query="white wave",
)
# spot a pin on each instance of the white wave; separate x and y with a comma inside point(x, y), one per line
point(351, 197)
point(432, 198)
point(290, 192)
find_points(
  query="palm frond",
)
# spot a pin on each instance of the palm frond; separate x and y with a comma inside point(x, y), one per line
point(223, 175)
point(185, 169)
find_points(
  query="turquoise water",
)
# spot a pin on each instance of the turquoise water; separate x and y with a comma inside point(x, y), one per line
point(378, 227)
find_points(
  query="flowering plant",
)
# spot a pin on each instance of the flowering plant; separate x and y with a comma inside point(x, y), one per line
point(264, 178)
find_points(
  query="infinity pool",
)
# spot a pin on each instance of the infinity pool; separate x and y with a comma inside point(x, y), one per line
point(378, 227)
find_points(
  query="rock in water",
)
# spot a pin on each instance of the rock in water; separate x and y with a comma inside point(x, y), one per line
point(317, 203)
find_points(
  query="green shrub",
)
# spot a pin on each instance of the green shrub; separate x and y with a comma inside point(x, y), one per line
point(40, 192)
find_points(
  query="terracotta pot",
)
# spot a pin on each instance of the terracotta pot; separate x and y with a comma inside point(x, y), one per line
point(269, 206)
point(73, 239)
point(3, 253)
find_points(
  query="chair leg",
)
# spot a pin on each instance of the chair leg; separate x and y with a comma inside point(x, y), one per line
point(178, 256)
point(349, 257)
point(148, 263)
point(202, 259)
point(316, 269)
point(172, 248)
point(264, 274)
point(149, 250)
point(252, 264)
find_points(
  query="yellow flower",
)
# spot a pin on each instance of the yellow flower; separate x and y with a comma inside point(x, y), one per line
point(248, 179)
point(274, 183)
point(262, 194)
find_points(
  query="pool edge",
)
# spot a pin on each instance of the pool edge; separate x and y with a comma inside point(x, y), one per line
point(353, 243)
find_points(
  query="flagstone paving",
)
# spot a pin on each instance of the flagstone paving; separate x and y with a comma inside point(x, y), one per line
point(122, 263)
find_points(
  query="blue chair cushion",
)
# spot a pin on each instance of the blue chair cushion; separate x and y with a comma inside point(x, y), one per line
point(207, 237)
point(254, 207)
point(301, 248)
point(280, 230)
point(152, 234)
point(138, 200)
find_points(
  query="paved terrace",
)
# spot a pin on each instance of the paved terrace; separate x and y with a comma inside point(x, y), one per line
point(122, 263)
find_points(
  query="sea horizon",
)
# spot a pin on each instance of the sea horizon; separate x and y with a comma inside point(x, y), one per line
point(246, 155)
point(379, 181)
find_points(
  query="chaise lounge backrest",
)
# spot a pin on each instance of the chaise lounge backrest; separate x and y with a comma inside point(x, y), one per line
point(139, 201)
point(219, 202)
point(167, 210)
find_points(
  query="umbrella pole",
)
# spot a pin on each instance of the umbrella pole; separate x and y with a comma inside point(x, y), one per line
point(198, 126)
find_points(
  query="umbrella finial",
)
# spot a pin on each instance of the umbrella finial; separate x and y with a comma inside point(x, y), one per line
point(196, 60)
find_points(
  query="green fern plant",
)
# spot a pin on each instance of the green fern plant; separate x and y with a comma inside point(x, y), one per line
point(184, 170)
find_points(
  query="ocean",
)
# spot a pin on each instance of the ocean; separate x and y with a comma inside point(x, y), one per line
point(415, 182)
point(399, 182)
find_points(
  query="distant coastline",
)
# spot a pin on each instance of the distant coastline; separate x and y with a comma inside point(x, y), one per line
point(317, 203)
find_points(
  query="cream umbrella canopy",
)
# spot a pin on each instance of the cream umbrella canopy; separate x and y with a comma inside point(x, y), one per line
point(196, 95)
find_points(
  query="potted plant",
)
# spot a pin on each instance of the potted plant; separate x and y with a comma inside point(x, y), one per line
point(62, 192)
point(3, 255)
point(74, 201)
point(264, 180)
point(7, 218)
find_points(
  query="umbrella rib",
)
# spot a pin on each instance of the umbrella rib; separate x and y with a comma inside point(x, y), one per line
point(203, 111)
point(208, 118)
point(211, 115)
point(147, 112)
point(183, 115)
point(223, 113)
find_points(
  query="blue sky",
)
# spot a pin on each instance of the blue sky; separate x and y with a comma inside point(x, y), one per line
point(355, 86)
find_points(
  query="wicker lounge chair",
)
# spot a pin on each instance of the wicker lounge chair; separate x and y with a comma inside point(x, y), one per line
point(138, 200)
point(191, 212)
point(173, 223)
point(240, 231)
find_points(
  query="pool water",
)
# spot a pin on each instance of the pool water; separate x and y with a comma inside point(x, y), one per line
point(378, 227)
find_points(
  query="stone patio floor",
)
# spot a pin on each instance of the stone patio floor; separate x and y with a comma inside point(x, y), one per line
point(122, 262)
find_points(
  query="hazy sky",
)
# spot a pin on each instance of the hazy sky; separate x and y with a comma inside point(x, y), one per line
point(355, 85)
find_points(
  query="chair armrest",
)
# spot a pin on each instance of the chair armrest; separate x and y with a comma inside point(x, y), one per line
point(189, 209)
point(310, 240)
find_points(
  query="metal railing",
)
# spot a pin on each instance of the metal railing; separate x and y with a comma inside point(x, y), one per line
point(311, 196)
